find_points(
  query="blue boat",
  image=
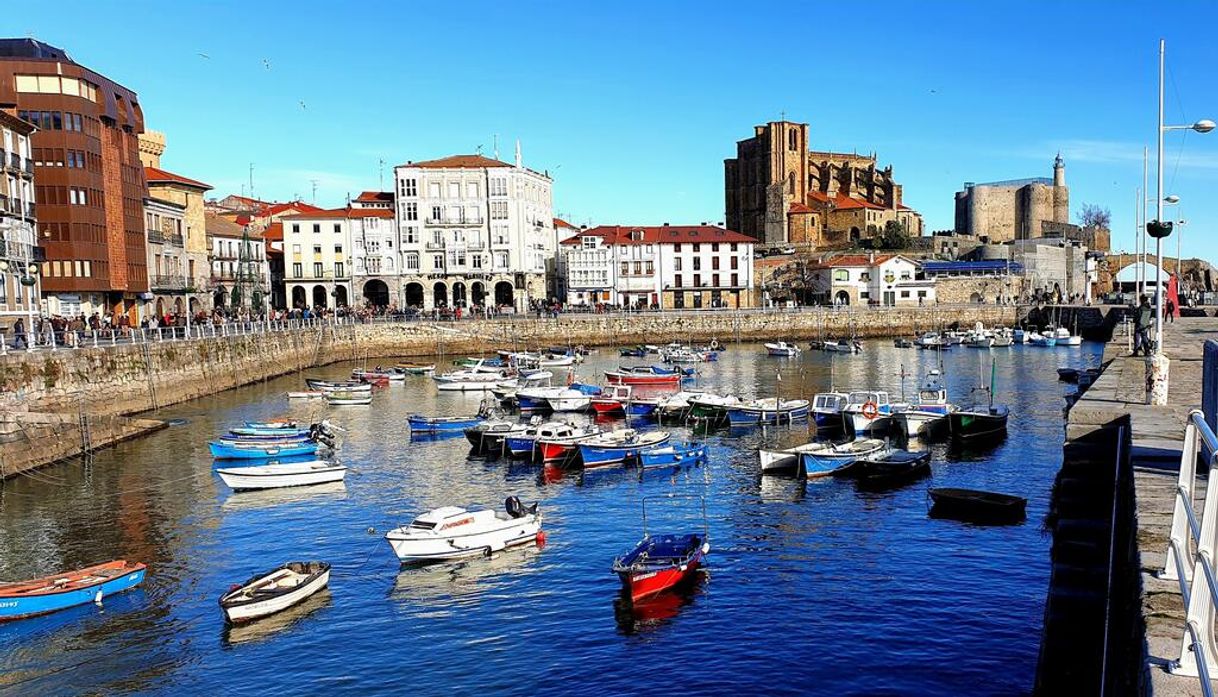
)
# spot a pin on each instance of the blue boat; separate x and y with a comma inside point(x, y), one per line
point(641, 407)
point(265, 440)
point(259, 451)
point(42, 595)
point(839, 459)
point(441, 424)
point(673, 455)
point(248, 432)
point(768, 411)
point(618, 447)
point(289, 425)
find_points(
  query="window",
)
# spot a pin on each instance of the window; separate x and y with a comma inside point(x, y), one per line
point(412, 211)
point(498, 187)
point(471, 190)
point(715, 263)
point(437, 261)
point(412, 234)
point(676, 264)
point(865, 277)
point(477, 261)
point(714, 246)
point(697, 246)
point(316, 228)
point(735, 280)
point(295, 227)
point(436, 213)
point(454, 189)
point(676, 280)
point(638, 268)
point(412, 262)
point(865, 295)
point(697, 280)
point(409, 187)
point(676, 247)
point(841, 275)
point(433, 190)
point(338, 227)
point(297, 270)
point(338, 249)
point(904, 294)
point(338, 269)
point(735, 264)
point(317, 249)
point(499, 210)
point(697, 263)
point(625, 268)
point(649, 268)
point(317, 270)
point(733, 246)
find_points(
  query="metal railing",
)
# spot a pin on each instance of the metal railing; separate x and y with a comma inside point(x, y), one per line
point(1198, 651)
point(167, 282)
point(51, 340)
point(158, 237)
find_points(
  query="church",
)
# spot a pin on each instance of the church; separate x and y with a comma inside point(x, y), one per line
point(778, 191)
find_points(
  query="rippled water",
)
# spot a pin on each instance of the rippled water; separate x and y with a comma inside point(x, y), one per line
point(810, 587)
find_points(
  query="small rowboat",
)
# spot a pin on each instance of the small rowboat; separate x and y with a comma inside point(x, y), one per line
point(673, 455)
point(259, 451)
point(645, 375)
point(768, 411)
point(617, 447)
point(282, 475)
point(345, 398)
point(660, 562)
point(311, 394)
point(489, 437)
point(977, 506)
point(327, 385)
point(39, 596)
point(377, 376)
point(895, 469)
point(451, 532)
point(441, 424)
point(287, 424)
point(268, 593)
point(268, 433)
point(416, 368)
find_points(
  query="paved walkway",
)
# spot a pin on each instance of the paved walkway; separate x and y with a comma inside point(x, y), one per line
point(1158, 434)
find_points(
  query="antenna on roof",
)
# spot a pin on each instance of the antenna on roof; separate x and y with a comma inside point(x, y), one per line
point(496, 146)
point(381, 172)
point(314, 182)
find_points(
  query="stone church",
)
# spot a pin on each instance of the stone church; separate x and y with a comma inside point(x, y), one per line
point(778, 191)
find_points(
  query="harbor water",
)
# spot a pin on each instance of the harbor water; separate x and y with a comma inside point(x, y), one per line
point(809, 588)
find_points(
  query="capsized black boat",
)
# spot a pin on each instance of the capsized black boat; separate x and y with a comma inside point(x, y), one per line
point(976, 506)
point(894, 469)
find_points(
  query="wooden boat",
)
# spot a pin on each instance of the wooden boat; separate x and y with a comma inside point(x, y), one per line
point(274, 591)
point(711, 408)
point(269, 433)
point(473, 379)
point(440, 424)
point(618, 447)
point(673, 455)
point(931, 340)
point(976, 506)
point(827, 409)
point(612, 399)
point(260, 451)
point(971, 425)
point(770, 410)
point(38, 596)
point(416, 368)
point(782, 348)
point(660, 562)
point(558, 448)
point(282, 475)
point(676, 406)
point(378, 376)
point(894, 469)
point(787, 459)
point(343, 398)
point(489, 436)
point(328, 385)
point(820, 458)
point(646, 375)
point(525, 444)
point(311, 394)
point(451, 532)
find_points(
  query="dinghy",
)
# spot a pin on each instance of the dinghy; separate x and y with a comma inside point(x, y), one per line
point(260, 451)
point(19, 599)
point(893, 470)
point(673, 455)
point(451, 532)
point(618, 447)
point(977, 506)
point(441, 424)
point(282, 475)
point(660, 562)
point(275, 591)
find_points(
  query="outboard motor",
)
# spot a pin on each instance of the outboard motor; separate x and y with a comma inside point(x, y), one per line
point(514, 507)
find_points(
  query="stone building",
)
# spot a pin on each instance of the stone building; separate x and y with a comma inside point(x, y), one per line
point(187, 193)
point(167, 261)
point(889, 280)
point(90, 183)
point(1016, 209)
point(19, 251)
point(777, 191)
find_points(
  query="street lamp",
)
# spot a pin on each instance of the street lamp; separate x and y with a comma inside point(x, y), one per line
point(1157, 228)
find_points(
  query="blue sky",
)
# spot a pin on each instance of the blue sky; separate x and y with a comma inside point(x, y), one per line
point(632, 107)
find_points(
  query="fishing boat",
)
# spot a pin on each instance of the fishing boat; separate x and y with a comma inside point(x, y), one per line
point(976, 506)
point(525, 444)
point(266, 440)
point(633, 352)
point(558, 448)
point(282, 475)
point(980, 423)
point(576, 397)
point(310, 394)
point(782, 348)
point(675, 406)
point(38, 596)
point(867, 411)
point(346, 398)
point(928, 413)
point(618, 447)
point(274, 591)
point(416, 368)
point(489, 436)
point(660, 562)
point(673, 455)
point(612, 399)
point(892, 470)
point(646, 375)
point(260, 451)
point(827, 409)
point(451, 532)
point(1036, 339)
point(1019, 336)
point(711, 408)
point(441, 424)
point(768, 411)
point(842, 346)
point(330, 385)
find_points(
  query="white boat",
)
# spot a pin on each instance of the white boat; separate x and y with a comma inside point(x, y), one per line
point(930, 340)
point(782, 348)
point(451, 532)
point(469, 380)
point(979, 341)
point(281, 475)
point(842, 346)
point(867, 411)
point(346, 398)
point(1003, 338)
point(569, 400)
point(312, 394)
point(827, 409)
point(266, 594)
point(788, 459)
point(677, 405)
point(929, 412)
point(505, 390)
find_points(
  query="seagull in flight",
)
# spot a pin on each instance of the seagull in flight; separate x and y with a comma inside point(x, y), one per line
point(203, 55)
point(302, 105)
point(266, 63)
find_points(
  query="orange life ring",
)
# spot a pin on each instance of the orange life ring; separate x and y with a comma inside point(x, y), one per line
point(870, 409)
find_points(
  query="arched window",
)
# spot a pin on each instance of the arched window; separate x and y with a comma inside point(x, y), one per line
point(791, 183)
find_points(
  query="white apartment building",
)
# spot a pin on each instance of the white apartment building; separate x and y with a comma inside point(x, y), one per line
point(870, 279)
point(375, 257)
point(317, 259)
point(473, 231)
point(20, 286)
point(663, 267)
point(238, 262)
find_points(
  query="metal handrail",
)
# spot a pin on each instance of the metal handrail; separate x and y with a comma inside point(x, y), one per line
point(1198, 649)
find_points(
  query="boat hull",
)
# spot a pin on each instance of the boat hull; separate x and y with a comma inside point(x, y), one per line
point(513, 532)
point(19, 606)
point(249, 611)
point(255, 478)
point(231, 452)
point(972, 427)
point(638, 584)
point(673, 456)
point(440, 425)
point(606, 455)
point(916, 422)
point(977, 506)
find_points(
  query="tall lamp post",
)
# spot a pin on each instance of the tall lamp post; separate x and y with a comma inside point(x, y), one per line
point(1157, 370)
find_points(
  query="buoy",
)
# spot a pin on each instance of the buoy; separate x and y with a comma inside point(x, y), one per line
point(870, 410)
point(541, 538)
point(98, 598)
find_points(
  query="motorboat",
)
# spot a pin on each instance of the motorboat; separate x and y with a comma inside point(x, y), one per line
point(274, 591)
point(928, 413)
point(474, 378)
point(782, 348)
point(842, 346)
point(525, 444)
point(979, 341)
point(557, 448)
point(659, 562)
point(451, 532)
point(827, 409)
point(974, 425)
point(39, 596)
point(977, 506)
point(441, 424)
point(260, 451)
point(673, 455)
point(685, 354)
point(867, 411)
point(489, 436)
point(767, 411)
point(618, 447)
point(1003, 338)
point(612, 399)
point(894, 469)
point(285, 474)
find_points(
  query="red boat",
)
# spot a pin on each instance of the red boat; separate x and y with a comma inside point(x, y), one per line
point(612, 400)
point(643, 375)
point(560, 449)
point(660, 562)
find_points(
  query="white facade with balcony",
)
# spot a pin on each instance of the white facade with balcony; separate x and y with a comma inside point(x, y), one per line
point(165, 246)
point(20, 285)
point(474, 231)
point(238, 263)
point(376, 259)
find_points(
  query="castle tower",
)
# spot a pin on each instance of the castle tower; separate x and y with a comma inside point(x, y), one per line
point(1059, 171)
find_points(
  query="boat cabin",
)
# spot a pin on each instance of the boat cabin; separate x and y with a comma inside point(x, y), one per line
point(443, 518)
point(829, 402)
point(860, 398)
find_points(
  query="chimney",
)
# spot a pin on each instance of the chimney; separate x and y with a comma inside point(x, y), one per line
point(665, 224)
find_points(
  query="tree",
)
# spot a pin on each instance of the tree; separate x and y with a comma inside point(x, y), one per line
point(1094, 216)
point(895, 235)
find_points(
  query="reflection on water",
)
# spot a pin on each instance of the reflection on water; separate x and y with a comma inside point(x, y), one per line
point(650, 614)
point(863, 582)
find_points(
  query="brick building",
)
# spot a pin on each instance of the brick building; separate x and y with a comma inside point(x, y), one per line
point(777, 191)
point(89, 181)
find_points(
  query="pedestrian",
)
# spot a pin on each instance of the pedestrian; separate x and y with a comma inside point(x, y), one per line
point(1171, 311)
point(1143, 318)
point(19, 334)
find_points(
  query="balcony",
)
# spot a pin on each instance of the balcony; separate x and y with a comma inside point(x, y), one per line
point(459, 220)
point(160, 282)
point(434, 246)
point(157, 237)
point(230, 277)
point(14, 160)
point(29, 167)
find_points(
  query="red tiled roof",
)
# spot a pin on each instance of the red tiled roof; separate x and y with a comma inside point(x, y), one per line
point(277, 208)
point(156, 174)
point(665, 234)
point(320, 214)
point(852, 260)
point(559, 222)
point(797, 207)
point(843, 202)
point(375, 197)
point(458, 161)
point(274, 231)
